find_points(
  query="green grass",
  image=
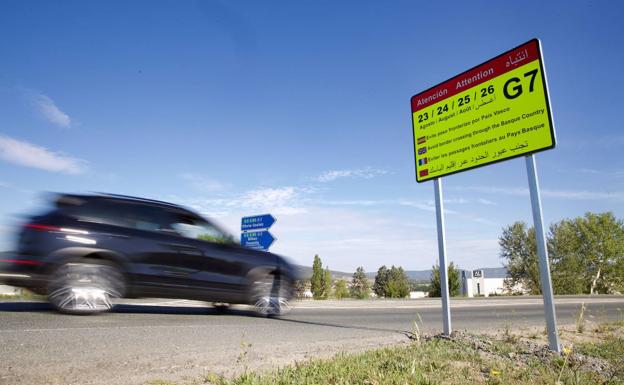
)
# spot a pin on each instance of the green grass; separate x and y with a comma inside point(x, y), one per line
point(611, 350)
point(433, 362)
point(424, 364)
point(502, 361)
point(25, 295)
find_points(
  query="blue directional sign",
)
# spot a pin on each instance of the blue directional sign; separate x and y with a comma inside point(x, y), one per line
point(257, 222)
point(260, 240)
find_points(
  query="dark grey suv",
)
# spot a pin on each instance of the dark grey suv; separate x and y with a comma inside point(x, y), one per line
point(89, 249)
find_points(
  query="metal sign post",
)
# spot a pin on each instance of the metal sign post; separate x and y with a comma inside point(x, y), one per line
point(444, 291)
point(547, 292)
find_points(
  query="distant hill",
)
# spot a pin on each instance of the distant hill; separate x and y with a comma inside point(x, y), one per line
point(305, 272)
point(413, 275)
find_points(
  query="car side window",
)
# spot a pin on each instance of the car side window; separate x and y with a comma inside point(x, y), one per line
point(197, 228)
point(99, 212)
point(143, 217)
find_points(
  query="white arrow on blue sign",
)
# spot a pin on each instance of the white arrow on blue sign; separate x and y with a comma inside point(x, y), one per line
point(260, 240)
point(257, 222)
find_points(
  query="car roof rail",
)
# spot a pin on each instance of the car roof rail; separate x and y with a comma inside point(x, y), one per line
point(134, 198)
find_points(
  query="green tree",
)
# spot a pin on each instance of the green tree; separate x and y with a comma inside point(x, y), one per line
point(317, 278)
point(398, 285)
point(566, 262)
point(381, 281)
point(453, 281)
point(519, 252)
point(327, 283)
point(341, 290)
point(359, 284)
point(587, 254)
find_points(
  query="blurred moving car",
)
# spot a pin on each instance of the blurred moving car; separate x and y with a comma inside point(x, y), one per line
point(89, 249)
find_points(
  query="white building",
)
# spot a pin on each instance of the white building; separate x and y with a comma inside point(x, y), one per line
point(483, 282)
point(418, 294)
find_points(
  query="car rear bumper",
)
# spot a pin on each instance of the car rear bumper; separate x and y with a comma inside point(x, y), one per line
point(21, 271)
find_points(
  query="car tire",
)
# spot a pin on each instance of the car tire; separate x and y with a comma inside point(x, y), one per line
point(270, 294)
point(85, 286)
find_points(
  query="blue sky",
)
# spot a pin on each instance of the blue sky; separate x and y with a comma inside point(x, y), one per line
point(300, 109)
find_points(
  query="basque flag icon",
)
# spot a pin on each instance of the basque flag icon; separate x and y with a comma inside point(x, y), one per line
point(424, 172)
point(422, 162)
point(422, 150)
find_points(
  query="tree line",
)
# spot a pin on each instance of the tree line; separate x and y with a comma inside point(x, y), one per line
point(586, 255)
point(389, 283)
point(321, 283)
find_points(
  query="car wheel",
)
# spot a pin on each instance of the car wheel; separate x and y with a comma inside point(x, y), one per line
point(270, 294)
point(85, 287)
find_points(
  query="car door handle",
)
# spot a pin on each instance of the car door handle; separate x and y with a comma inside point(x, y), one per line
point(119, 236)
point(181, 247)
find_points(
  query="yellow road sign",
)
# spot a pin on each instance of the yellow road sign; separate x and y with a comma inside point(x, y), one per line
point(493, 112)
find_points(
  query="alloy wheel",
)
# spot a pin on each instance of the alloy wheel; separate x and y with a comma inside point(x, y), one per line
point(270, 295)
point(85, 287)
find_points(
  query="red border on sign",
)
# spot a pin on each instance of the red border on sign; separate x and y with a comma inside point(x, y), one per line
point(489, 70)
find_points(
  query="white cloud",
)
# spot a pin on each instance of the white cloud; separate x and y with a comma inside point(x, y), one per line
point(425, 206)
point(562, 194)
point(583, 195)
point(31, 155)
point(609, 174)
point(353, 202)
point(268, 197)
point(495, 190)
point(347, 234)
point(486, 202)
point(364, 173)
point(428, 205)
point(284, 201)
point(278, 200)
point(49, 111)
point(202, 183)
point(347, 238)
point(455, 201)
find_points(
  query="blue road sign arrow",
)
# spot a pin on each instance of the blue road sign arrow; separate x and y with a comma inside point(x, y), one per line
point(257, 222)
point(260, 240)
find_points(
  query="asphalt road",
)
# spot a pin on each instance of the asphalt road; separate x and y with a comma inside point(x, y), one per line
point(173, 340)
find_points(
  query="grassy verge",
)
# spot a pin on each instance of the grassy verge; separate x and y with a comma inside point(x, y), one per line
point(23, 296)
point(597, 358)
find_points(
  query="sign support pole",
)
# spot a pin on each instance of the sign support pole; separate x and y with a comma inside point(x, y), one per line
point(547, 291)
point(444, 291)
